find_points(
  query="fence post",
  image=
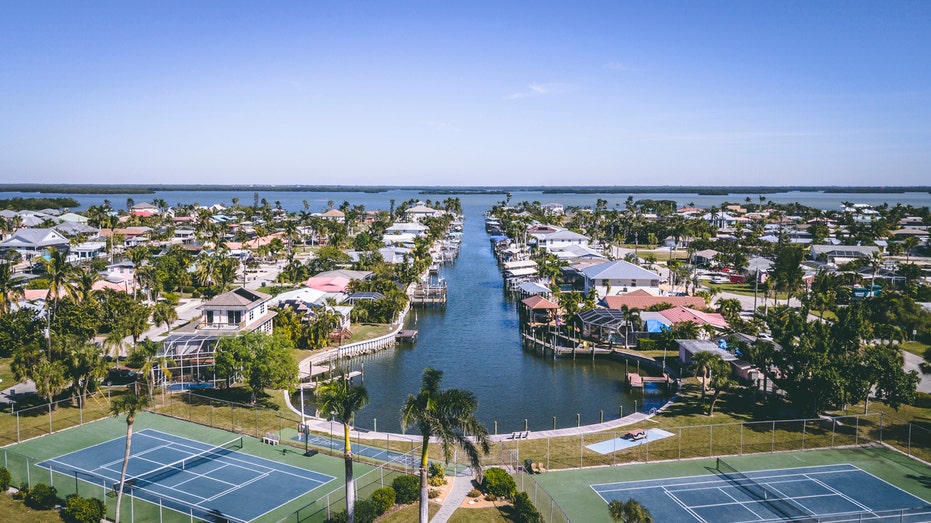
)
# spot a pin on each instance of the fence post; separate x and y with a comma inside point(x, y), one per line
point(773, 447)
point(710, 440)
point(49, 418)
point(909, 439)
point(741, 451)
point(17, 428)
point(804, 427)
point(833, 430)
point(881, 426)
point(856, 437)
point(680, 443)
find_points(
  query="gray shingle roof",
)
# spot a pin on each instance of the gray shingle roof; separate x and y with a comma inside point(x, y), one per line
point(618, 270)
point(237, 298)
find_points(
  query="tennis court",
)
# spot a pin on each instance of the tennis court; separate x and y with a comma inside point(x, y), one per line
point(358, 449)
point(818, 493)
point(214, 482)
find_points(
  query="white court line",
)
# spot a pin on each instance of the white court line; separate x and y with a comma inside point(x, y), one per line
point(683, 505)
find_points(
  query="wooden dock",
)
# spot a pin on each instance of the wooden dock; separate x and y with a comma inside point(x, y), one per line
point(406, 336)
point(429, 294)
point(560, 350)
point(636, 381)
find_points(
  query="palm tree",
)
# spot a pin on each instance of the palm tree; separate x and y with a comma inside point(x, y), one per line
point(630, 511)
point(910, 243)
point(450, 416)
point(702, 362)
point(84, 284)
point(720, 379)
point(10, 290)
point(341, 399)
point(129, 404)
point(60, 274)
point(163, 312)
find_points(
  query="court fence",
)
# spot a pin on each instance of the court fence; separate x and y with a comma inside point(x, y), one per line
point(20, 424)
point(553, 453)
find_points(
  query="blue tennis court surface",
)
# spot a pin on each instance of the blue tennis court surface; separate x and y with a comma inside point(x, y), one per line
point(223, 484)
point(823, 493)
point(336, 444)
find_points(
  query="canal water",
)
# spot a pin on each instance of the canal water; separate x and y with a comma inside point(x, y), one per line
point(475, 341)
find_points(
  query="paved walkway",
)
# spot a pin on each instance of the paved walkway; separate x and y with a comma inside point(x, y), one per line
point(462, 484)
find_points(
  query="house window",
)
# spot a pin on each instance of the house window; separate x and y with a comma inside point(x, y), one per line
point(251, 315)
point(233, 317)
point(209, 317)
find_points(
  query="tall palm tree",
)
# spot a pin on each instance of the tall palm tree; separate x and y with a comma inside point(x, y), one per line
point(10, 289)
point(129, 404)
point(84, 284)
point(341, 399)
point(702, 361)
point(60, 275)
point(449, 415)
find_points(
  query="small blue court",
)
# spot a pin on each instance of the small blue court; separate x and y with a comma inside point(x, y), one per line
point(831, 493)
point(191, 477)
point(375, 453)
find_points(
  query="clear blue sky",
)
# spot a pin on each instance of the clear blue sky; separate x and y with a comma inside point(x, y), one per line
point(466, 93)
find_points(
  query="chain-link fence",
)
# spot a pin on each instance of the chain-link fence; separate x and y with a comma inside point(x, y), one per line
point(20, 424)
point(683, 442)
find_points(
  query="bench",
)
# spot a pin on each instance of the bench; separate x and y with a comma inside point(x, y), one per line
point(271, 438)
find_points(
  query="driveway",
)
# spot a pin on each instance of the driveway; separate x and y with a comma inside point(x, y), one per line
point(912, 362)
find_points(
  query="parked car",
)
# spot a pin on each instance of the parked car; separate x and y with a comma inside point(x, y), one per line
point(120, 376)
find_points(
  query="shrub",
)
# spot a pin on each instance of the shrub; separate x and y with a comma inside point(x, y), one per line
point(436, 470)
point(383, 498)
point(524, 511)
point(41, 497)
point(436, 474)
point(433, 493)
point(491, 497)
point(646, 344)
point(20, 493)
point(365, 511)
point(499, 483)
point(406, 489)
point(5, 479)
point(474, 493)
point(83, 510)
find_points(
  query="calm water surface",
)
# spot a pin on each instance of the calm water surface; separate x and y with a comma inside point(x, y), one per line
point(475, 339)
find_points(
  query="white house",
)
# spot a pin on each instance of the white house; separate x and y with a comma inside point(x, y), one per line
point(31, 242)
point(411, 228)
point(420, 211)
point(555, 238)
point(619, 277)
point(239, 310)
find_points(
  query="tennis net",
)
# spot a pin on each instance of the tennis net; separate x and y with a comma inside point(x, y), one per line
point(164, 471)
point(760, 492)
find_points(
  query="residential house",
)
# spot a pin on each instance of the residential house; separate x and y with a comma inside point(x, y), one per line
point(239, 310)
point(619, 277)
point(420, 211)
point(552, 238)
point(841, 254)
point(29, 242)
point(408, 228)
